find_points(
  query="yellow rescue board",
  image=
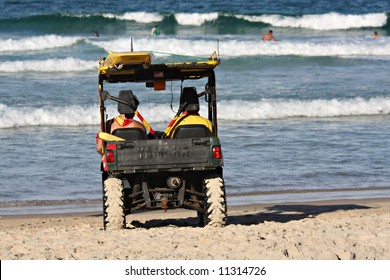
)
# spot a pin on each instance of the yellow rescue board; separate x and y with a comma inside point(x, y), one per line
point(189, 66)
point(129, 63)
point(109, 137)
point(116, 60)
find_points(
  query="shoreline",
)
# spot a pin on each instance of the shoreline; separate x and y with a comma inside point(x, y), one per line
point(234, 208)
point(284, 196)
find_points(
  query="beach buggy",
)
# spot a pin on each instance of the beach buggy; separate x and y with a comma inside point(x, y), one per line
point(178, 168)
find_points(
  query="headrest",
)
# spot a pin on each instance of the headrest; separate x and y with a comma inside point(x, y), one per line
point(189, 96)
point(128, 96)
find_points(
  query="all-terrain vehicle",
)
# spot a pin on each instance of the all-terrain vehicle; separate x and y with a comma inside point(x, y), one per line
point(153, 171)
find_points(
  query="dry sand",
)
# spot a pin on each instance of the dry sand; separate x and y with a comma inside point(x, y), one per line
point(351, 229)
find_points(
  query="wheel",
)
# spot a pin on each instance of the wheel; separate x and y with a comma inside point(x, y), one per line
point(215, 214)
point(114, 210)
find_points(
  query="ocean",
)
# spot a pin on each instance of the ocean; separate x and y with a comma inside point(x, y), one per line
point(306, 116)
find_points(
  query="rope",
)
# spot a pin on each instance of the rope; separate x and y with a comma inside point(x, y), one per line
point(184, 55)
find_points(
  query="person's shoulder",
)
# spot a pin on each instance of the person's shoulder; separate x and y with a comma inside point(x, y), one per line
point(138, 124)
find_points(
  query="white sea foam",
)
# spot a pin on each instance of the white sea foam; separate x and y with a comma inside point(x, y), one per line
point(332, 47)
point(329, 21)
point(234, 46)
point(227, 110)
point(34, 43)
point(142, 17)
point(48, 116)
point(279, 109)
point(69, 64)
point(160, 45)
point(196, 19)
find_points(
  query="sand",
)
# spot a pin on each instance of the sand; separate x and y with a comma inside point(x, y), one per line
point(328, 230)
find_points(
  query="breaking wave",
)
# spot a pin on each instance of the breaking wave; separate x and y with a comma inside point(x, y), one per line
point(233, 47)
point(227, 110)
point(213, 22)
point(34, 43)
point(52, 65)
point(329, 21)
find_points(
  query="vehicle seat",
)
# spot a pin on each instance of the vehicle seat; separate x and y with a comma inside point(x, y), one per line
point(191, 131)
point(130, 133)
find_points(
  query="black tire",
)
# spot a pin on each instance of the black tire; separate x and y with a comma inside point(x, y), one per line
point(114, 210)
point(215, 214)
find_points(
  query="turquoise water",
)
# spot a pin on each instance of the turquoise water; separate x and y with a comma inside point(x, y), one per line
point(307, 112)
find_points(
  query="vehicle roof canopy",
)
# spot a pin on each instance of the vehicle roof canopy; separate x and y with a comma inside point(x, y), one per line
point(138, 67)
